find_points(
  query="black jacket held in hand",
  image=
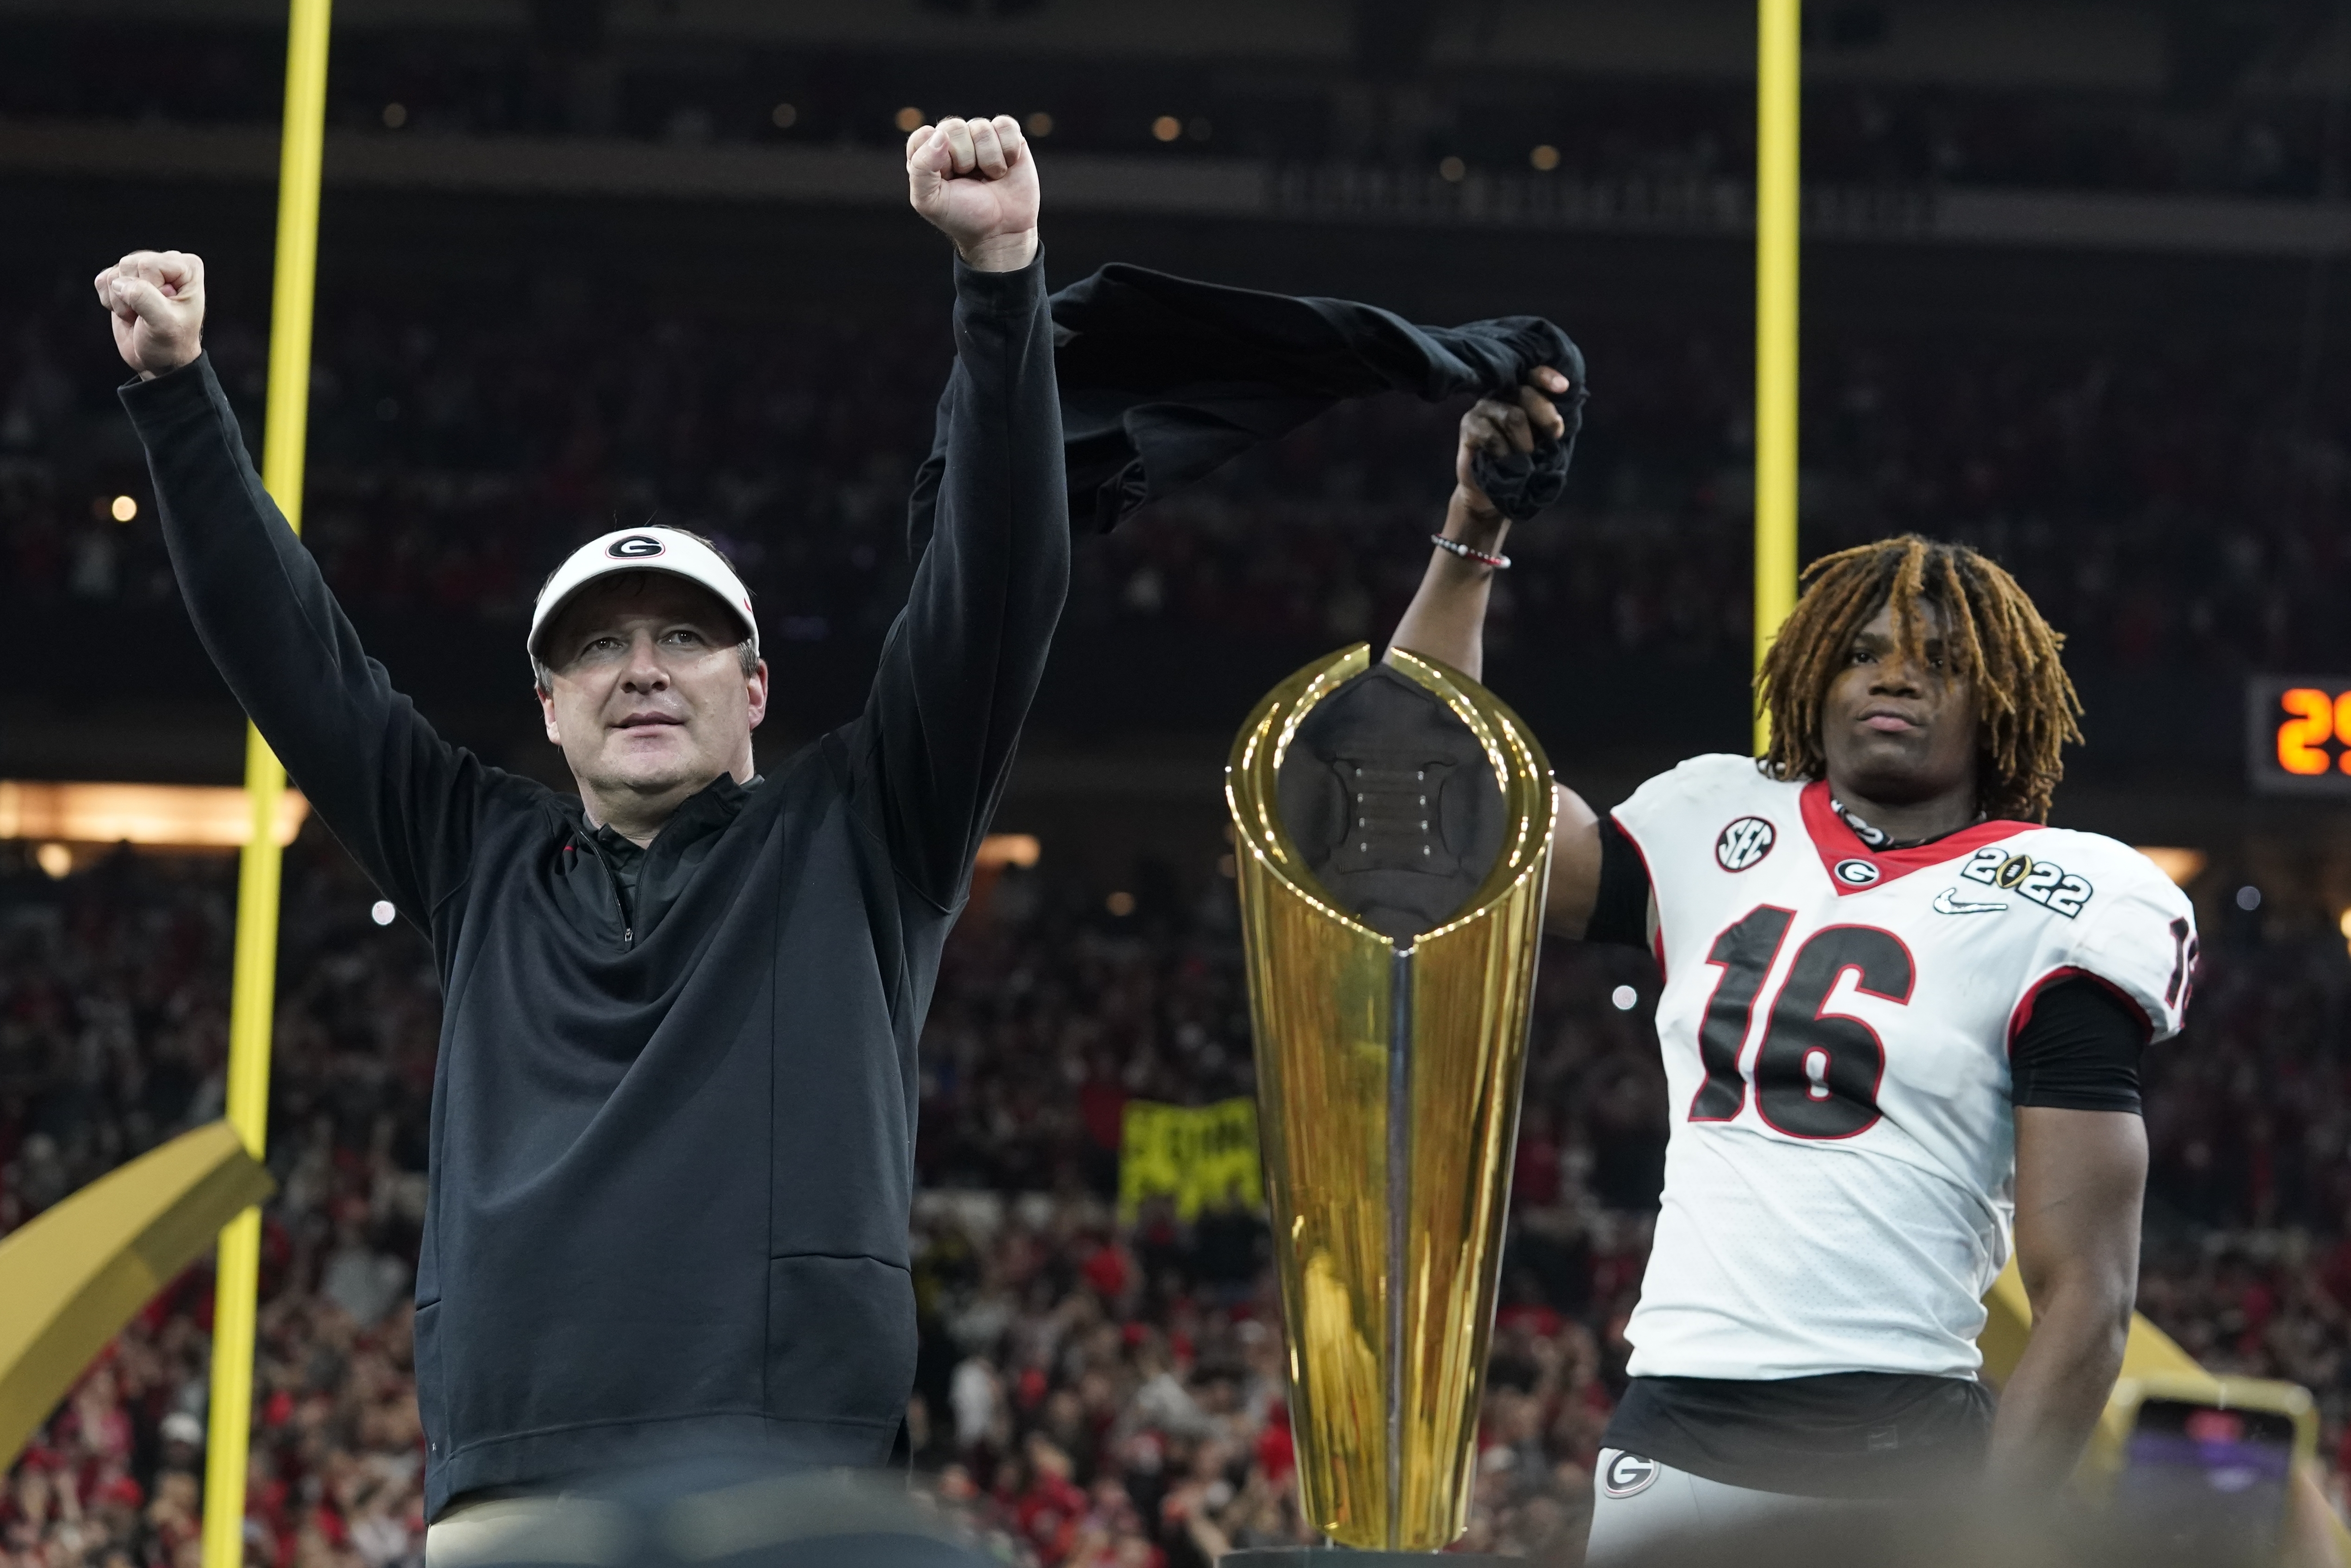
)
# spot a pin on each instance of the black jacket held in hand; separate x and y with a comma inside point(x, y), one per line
point(1165, 380)
point(670, 1169)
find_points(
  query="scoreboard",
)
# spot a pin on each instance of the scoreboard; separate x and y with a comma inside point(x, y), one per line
point(2298, 735)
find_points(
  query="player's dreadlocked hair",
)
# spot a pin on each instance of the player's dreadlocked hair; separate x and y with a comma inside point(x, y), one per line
point(1994, 639)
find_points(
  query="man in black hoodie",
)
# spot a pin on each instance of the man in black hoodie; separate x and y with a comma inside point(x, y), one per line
point(673, 1114)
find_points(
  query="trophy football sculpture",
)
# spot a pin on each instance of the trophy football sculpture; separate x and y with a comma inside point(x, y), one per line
point(1393, 833)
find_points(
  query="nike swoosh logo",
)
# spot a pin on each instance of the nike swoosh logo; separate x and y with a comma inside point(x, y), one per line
point(1949, 902)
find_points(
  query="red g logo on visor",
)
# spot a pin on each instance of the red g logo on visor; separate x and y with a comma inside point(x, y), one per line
point(636, 546)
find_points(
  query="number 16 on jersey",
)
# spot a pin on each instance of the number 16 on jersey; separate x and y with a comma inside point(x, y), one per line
point(1816, 1073)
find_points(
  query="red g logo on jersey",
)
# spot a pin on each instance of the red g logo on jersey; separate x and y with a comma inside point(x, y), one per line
point(1744, 842)
point(1628, 1474)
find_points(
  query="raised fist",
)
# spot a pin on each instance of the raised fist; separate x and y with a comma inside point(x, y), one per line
point(1497, 427)
point(975, 181)
point(157, 300)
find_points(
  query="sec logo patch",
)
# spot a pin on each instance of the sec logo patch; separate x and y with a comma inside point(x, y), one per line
point(1855, 873)
point(1628, 1474)
point(1744, 842)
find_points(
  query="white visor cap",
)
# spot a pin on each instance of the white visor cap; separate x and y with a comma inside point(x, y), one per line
point(649, 549)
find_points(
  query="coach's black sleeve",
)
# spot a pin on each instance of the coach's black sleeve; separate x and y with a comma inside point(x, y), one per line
point(395, 793)
point(1620, 914)
point(2079, 1050)
point(962, 664)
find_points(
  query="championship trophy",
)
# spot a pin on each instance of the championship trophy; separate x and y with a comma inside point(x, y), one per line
point(1392, 831)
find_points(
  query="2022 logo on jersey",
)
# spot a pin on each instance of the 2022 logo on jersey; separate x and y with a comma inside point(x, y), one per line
point(1744, 844)
point(2046, 883)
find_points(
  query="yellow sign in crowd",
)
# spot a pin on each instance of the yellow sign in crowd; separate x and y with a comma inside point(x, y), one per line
point(1198, 1154)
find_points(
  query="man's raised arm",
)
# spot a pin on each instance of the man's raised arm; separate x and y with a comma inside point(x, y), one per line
point(963, 662)
point(1446, 618)
point(392, 791)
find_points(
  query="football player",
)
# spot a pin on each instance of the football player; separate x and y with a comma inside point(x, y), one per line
point(1901, 1020)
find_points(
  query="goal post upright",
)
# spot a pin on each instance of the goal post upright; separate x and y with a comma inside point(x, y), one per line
point(1779, 109)
point(252, 996)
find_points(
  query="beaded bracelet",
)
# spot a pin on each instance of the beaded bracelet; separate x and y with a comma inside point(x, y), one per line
point(1468, 553)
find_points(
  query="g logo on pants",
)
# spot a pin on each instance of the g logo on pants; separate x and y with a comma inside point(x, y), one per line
point(1628, 1474)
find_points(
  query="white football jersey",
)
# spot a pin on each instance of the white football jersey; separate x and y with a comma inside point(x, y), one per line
point(1836, 1022)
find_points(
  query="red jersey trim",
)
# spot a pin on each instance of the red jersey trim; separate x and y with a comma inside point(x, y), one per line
point(2023, 1015)
point(1836, 843)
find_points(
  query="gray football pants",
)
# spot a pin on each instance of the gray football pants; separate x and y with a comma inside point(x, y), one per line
point(1637, 1502)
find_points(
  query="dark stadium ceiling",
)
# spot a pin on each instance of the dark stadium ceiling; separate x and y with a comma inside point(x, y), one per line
point(2183, 48)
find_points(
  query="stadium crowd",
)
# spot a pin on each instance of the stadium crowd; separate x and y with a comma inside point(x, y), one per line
point(456, 456)
point(1092, 1391)
point(2224, 126)
point(113, 1009)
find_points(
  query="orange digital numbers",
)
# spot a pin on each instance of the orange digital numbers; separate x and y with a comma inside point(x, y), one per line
point(2301, 738)
point(2298, 734)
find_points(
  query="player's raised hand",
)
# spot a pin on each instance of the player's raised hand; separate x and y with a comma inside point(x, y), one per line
point(976, 182)
point(1497, 426)
point(157, 300)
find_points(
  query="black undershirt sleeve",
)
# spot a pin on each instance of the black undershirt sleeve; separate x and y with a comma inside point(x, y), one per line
point(2079, 1050)
point(1620, 912)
